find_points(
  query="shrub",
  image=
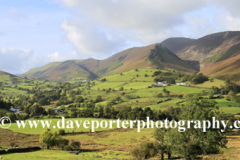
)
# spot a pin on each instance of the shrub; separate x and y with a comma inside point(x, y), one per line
point(74, 144)
point(145, 150)
point(61, 132)
point(48, 138)
point(12, 144)
point(63, 143)
point(121, 89)
point(68, 148)
point(123, 93)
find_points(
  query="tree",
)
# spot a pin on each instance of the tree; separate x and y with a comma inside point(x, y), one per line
point(136, 69)
point(104, 80)
point(74, 144)
point(227, 81)
point(121, 89)
point(43, 101)
point(12, 144)
point(49, 139)
point(211, 95)
point(160, 144)
point(62, 143)
point(156, 73)
point(171, 81)
point(193, 141)
point(61, 132)
point(145, 150)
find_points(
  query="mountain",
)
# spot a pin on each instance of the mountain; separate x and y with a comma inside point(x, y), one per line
point(152, 56)
point(5, 73)
point(207, 50)
point(59, 71)
point(177, 44)
point(215, 53)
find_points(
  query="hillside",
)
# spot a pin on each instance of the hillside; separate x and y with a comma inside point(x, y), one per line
point(215, 53)
point(3, 73)
point(178, 43)
point(59, 71)
point(208, 49)
point(152, 56)
point(227, 69)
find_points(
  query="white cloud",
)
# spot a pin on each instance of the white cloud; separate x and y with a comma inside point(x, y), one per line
point(15, 60)
point(109, 26)
point(144, 21)
point(231, 6)
point(18, 61)
point(90, 39)
point(61, 57)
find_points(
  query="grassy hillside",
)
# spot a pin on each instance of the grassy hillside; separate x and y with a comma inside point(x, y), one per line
point(60, 71)
point(35, 72)
point(228, 69)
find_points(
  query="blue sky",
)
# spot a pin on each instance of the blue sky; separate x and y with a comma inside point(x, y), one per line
point(36, 32)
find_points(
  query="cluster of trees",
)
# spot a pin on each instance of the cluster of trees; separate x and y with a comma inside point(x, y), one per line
point(5, 105)
point(229, 91)
point(171, 81)
point(195, 78)
point(190, 142)
point(52, 139)
point(63, 93)
point(165, 93)
point(104, 80)
point(156, 73)
point(108, 111)
point(12, 116)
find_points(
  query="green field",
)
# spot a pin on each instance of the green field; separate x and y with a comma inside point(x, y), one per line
point(208, 84)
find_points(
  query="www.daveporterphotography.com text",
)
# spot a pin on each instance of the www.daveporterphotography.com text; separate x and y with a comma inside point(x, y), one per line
point(182, 125)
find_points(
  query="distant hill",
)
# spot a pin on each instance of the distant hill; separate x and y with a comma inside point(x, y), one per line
point(5, 73)
point(215, 53)
point(152, 56)
point(59, 71)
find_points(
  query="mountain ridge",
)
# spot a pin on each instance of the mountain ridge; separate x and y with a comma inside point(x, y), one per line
point(151, 56)
point(212, 51)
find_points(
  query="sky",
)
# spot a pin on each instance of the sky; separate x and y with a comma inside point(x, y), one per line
point(36, 32)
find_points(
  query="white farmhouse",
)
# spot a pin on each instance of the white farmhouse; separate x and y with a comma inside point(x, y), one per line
point(181, 84)
point(14, 109)
point(57, 110)
point(161, 84)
